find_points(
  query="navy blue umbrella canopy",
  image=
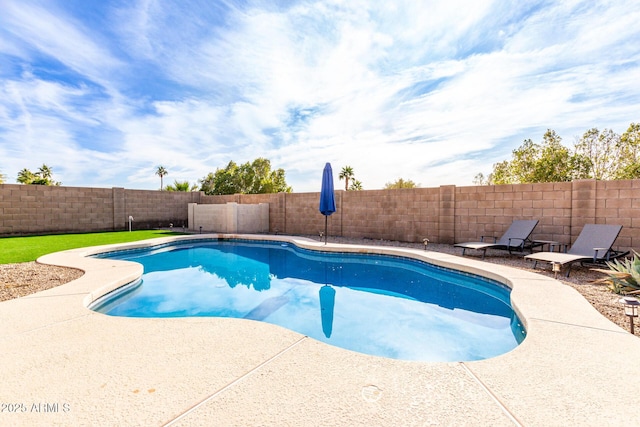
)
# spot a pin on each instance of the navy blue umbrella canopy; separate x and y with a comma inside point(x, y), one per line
point(327, 198)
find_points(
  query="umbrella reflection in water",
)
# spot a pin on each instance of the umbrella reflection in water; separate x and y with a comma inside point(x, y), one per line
point(327, 301)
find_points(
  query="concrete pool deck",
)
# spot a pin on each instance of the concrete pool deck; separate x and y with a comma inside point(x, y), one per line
point(63, 364)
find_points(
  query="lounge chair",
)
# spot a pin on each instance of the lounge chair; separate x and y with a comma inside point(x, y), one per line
point(515, 238)
point(593, 245)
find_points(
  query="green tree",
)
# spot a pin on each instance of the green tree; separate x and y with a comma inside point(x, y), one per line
point(276, 183)
point(44, 176)
point(596, 155)
point(223, 181)
point(249, 178)
point(549, 161)
point(3, 177)
point(181, 186)
point(599, 154)
point(347, 174)
point(501, 173)
point(161, 171)
point(207, 184)
point(629, 152)
point(400, 183)
point(355, 185)
point(557, 163)
point(480, 179)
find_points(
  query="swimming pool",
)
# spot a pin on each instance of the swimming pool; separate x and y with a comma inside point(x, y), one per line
point(375, 304)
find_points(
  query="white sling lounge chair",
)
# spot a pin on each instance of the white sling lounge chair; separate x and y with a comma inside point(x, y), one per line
point(593, 245)
point(515, 238)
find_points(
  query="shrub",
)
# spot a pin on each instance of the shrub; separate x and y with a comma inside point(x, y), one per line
point(623, 277)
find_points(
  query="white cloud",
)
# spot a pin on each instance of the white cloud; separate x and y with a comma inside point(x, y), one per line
point(429, 91)
point(51, 33)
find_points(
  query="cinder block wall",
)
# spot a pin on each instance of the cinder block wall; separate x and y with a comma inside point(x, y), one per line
point(156, 209)
point(450, 214)
point(303, 217)
point(618, 202)
point(39, 209)
point(489, 210)
point(562, 209)
point(408, 215)
point(446, 214)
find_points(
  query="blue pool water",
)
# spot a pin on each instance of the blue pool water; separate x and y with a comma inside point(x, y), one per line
point(380, 305)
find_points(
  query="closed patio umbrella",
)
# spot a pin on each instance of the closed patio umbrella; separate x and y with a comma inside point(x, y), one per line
point(327, 198)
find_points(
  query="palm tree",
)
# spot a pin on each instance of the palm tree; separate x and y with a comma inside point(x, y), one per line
point(346, 174)
point(181, 186)
point(161, 172)
point(25, 176)
point(45, 172)
point(355, 185)
point(42, 177)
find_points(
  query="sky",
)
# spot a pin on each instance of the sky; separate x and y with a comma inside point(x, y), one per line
point(105, 91)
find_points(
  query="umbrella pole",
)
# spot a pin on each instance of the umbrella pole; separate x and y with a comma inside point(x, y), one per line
point(326, 217)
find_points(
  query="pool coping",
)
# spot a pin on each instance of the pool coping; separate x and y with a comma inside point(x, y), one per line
point(570, 370)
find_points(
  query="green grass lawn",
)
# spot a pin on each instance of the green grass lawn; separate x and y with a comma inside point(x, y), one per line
point(24, 249)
